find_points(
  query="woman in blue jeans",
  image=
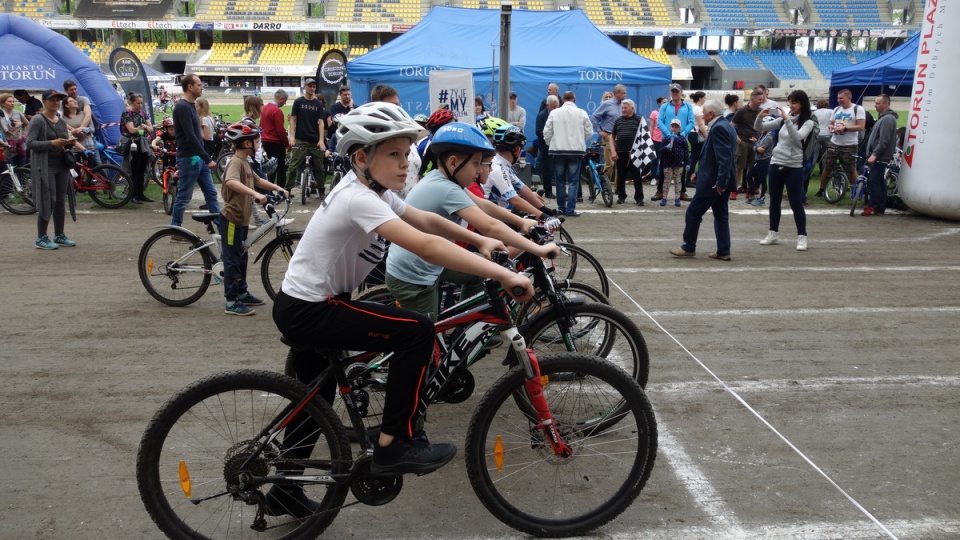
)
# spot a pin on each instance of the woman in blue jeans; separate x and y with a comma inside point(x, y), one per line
point(786, 165)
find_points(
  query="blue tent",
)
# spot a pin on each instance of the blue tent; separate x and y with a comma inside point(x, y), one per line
point(37, 58)
point(546, 46)
point(890, 73)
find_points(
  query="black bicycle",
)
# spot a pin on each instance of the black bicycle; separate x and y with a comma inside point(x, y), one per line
point(558, 446)
point(592, 174)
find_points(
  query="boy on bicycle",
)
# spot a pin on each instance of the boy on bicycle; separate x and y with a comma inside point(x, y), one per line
point(238, 192)
point(344, 240)
point(167, 141)
point(443, 191)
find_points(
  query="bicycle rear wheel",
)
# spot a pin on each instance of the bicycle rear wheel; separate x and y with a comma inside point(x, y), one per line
point(276, 258)
point(586, 178)
point(575, 263)
point(306, 184)
point(173, 272)
point(836, 188)
point(222, 161)
point(602, 415)
point(116, 187)
point(16, 201)
point(191, 469)
point(170, 194)
point(607, 192)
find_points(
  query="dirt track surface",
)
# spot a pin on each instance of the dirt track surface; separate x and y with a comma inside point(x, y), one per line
point(849, 350)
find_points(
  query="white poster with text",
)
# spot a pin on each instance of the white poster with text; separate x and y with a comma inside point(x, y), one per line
point(453, 89)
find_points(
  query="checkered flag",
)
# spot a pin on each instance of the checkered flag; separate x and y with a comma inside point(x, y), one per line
point(643, 152)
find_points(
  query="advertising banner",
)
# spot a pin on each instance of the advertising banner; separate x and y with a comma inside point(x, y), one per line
point(801, 32)
point(331, 74)
point(122, 9)
point(928, 181)
point(128, 70)
point(453, 89)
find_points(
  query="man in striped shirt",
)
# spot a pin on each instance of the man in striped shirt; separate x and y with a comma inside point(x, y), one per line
point(621, 142)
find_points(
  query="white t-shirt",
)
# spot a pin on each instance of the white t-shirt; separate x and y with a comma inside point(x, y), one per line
point(339, 246)
point(823, 117)
point(848, 117)
point(501, 185)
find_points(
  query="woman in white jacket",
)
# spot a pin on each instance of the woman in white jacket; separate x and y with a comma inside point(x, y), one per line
point(786, 164)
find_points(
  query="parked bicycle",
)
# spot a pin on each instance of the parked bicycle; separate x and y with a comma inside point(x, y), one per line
point(592, 174)
point(859, 190)
point(558, 446)
point(839, 182)
point(107, 184)
point(306, 178)
point(169, 179)
point(16, 189)
point(337, 165)
point(891, 178)
point(176, 265)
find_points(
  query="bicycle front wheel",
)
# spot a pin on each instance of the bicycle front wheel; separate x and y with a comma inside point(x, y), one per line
point(170, 192)
point(175, 273)
point(593, 329)
point(574, 262)
point(115, 186)
point(586, 178)
point(18, 201)
point(198, 472)
point(306, 184)
point(836, 187)
point(604, 418)
point(276, 258)
point(855, 195)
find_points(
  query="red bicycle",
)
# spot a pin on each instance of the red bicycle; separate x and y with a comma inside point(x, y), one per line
point(108, 185)
point(168, 178)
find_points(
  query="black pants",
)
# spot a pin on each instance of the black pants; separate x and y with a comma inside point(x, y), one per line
point(138, 172)
point(60, 178)
point(279, 151)
point(626, 168)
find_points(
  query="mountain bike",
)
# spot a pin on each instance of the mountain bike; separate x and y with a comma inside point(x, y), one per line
point(16, 189)
point(592, 174)
point(176, 265)
point(306, 178)
point(169, 179)
point(558, 446)
point(338, 166)
point(859, 190)
point(839, 182)
point(109, 185)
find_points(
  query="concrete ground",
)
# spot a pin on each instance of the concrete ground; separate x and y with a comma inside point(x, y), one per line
point(798, 395)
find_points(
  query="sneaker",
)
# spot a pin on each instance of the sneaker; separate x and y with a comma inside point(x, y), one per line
point(680, 252)
point(758, 202)
point(657, 196)
point(251, 300)
point(748, 200)
point(733, 195)
point(404, 456)
point(579, 199)
point(676, 202)
point(238, 308)
point(62, 240)
point(868, 211)
point(684, 197)
point(663, 202)
point(573, 214)
point(285, 221)
point(44, 243)
point(620, 201)
point(289, 500)
point(819, 193)
point(773, 237)
point(801, 242)
point(640, 202)
point(719, 257)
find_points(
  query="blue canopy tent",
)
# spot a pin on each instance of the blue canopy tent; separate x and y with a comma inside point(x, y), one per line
point(546, 46)
point(890, 73)
point(37, 58)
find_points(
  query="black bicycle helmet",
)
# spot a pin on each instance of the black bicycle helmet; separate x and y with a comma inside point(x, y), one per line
point(508, 137)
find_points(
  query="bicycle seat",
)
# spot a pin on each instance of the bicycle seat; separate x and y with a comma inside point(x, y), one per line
point(206, 217)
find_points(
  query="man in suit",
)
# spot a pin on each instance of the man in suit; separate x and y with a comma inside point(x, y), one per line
point(716, 175)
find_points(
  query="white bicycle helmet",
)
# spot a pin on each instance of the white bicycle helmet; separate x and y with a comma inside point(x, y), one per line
point(372, 123)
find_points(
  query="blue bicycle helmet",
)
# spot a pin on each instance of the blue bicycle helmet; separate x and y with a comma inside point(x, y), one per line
point(461, 138)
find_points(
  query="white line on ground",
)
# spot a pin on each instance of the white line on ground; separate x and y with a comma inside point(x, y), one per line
point(797, 311)
point(693, 486)
point(806, 385)
point(948, 231)
point(741, 269)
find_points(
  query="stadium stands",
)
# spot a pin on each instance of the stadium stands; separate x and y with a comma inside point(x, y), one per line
point(832, 14)
point(182, 48)
point(657, 55)
point(96, 50)
point(624, 13)
point(534, 5)
point(694, 54)
point(764, 14)
point(829, 61)
point(142, 50)
point(284, 54)
point(34, 9)
point(726, 14)
point(383, 11)
point(739, 60)
point(234, 53)
point(250, 10)
point(783, 64)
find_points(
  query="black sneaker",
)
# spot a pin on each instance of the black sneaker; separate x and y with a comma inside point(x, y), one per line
point(289, 500)
point(819, 193)
point(417, 456)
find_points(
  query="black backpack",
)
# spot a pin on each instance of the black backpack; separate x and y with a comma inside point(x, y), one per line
point(810, 143)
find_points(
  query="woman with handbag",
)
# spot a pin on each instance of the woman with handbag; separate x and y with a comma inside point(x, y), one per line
point(73, 116)
point(13, 123)
point(135, 125)
point(49, 141)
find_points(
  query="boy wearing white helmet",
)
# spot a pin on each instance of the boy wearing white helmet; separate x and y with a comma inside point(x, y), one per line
point(344, 240)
